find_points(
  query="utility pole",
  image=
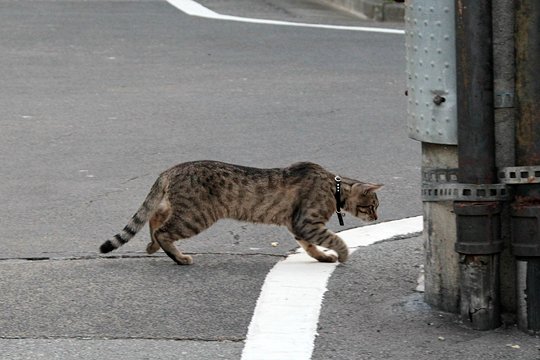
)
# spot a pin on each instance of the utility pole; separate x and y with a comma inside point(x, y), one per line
point(462, 107)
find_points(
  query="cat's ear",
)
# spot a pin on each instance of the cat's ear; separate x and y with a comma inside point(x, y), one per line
point(366, 188)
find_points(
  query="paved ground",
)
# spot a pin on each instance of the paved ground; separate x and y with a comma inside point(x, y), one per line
point(101, 96)
point(98, 97)
point(387, 319)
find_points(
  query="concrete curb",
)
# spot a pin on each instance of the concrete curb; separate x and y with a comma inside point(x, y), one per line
point(379, 10)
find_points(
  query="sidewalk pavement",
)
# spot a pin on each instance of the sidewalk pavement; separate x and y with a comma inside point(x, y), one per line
point(372, 311)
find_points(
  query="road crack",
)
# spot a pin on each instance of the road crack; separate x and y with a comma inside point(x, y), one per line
point(101, 338)
point(97, 256)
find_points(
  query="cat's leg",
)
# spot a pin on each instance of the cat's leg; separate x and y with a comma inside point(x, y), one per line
point(316, 233)
point(180, 225)
point(166, 240)
point(315, 253)
point(153, 245)
point(159, 217)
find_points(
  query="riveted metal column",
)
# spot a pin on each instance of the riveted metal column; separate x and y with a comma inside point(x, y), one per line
point(526, 209)
point(431, 119)
point(478, 223)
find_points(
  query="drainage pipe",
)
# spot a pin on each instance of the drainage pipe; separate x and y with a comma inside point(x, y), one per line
point(478, 222)
point(526, 208)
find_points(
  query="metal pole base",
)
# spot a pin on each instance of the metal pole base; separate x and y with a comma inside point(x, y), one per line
point(528, 295)
point(479, 281)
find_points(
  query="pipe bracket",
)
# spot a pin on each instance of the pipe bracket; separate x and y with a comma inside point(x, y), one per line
point(464, 192)
point(437, 175)
point(519, 175)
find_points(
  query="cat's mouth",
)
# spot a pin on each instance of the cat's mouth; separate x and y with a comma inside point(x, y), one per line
point(366, 213)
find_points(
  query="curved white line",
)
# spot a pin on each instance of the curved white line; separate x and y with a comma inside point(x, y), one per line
point(284, 323)
point(193, 8)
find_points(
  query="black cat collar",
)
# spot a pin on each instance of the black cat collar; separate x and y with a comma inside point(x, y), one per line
point(337, 195)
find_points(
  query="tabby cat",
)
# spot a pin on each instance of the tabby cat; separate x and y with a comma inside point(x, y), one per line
point(188, 198)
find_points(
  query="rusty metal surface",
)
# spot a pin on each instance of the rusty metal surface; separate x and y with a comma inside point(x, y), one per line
point(527, 83)
point(526, 209)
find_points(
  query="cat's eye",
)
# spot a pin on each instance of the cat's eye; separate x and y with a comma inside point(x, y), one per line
point(365, 208)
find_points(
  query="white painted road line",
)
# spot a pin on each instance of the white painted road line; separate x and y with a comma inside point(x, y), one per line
point(284, 323)
point(193, 8)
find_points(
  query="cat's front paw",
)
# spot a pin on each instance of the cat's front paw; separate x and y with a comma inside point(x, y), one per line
point(343, 256)
point(184, 260)
point(328, 256)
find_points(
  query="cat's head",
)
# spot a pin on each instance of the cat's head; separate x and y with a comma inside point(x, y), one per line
point(362, 201)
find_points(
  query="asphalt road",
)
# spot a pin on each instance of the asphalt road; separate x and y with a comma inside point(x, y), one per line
point(98, 97)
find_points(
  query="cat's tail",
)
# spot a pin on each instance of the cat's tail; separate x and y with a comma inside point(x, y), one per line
point(141, 217)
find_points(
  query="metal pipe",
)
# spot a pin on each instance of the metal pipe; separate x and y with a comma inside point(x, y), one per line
point(479, 280)
point(504, 82)
point(526, 209)
point(504, 90)
point(527, 84)
point(474, 65)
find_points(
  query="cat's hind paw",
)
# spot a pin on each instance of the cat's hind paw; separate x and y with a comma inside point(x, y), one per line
point(152, 247)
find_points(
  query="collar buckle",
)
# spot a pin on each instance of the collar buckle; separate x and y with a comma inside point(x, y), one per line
point(337, 196)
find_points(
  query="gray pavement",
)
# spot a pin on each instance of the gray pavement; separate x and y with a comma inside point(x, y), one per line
point(132, 349)
point(101, 96)
point(145, 298)
point(372, 311)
